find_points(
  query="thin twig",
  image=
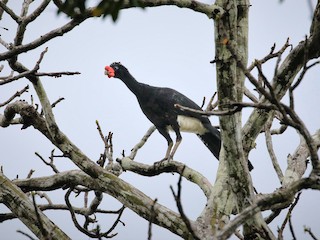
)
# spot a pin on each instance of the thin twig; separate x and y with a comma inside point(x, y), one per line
point(151, 219)
point(272, 216)
point(280, 130)
point(288, 216)
point(17, 94)
point(250, 95)
point(185, 219)
point(238, 235)
point(46, 37)
point(51, 206)
point(56, 74)
point(24, 72)
point(53, 105)
point(234, 107)
point(212, 105)
point(96, 232)
point(289, 115)
point(101, 133)
point(26, 235)
point(108, 147)
point(31, 17)
point(30, 173)
point(45, 196)
point(73, 216)
point(95, 202)
point(140, 144)
point(11, 78)
point(116, 222)
point(57, 101)
point(292, 229)
point(50, 164)
point(9, 11)
point(272, 154)
point(203, 102)
point(271, 55)
point(308, 230)
point(39, 220)
point(81, 229)
point(299, 80)
point(214, 112)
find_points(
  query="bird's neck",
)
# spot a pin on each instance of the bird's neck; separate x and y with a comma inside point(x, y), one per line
point(132, 83)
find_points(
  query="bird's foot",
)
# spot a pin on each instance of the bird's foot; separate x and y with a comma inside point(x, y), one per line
point(158, 163)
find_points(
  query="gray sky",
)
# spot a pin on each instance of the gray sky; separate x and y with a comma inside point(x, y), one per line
point(164, 46)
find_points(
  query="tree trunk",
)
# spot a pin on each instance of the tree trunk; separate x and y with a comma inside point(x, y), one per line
point(235, 190)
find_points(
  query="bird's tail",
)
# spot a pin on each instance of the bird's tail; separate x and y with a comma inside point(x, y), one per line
point(212, 140)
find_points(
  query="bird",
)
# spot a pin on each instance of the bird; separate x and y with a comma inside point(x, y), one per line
point(159, 104)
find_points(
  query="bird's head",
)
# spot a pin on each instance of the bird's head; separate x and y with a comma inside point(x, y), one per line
point(116, 70)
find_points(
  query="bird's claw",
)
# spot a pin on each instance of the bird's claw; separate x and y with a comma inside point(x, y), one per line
point(158, 163)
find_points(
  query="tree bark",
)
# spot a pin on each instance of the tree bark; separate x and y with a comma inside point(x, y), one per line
point(235, 189)
point(25, 210)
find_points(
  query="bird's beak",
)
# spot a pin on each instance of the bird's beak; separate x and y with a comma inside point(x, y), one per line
point(109, 71)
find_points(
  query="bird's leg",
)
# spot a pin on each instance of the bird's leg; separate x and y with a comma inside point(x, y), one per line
point(176, 145)
point(178, 140)
point(165, 133)
point(168, 155)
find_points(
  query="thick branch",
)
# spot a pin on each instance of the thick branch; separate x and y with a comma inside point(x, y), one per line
point(212, 11)
point(168, 167)
point(297, 162)
point(23, 207)
point(122, 191)
point(269, 201)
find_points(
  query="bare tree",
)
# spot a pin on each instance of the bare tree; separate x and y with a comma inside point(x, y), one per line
point(232, 193)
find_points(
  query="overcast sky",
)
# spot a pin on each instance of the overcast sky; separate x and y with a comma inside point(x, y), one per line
point(164, 46)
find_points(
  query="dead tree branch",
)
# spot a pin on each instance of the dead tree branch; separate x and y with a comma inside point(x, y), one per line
point(286, 74)
point(50, 163)
point(271, 55)
point(263, 202)
point(24, 209)
point(108, 148)
point(272, 154)
point(17, 94)
point(151, 220)
point(18, 49)
point(167, 167)
point(289, 115)
point(288, 216)
point(308, 230)
point(177, 198)
point(93, 233)
point(140, 144)
point(25, 234)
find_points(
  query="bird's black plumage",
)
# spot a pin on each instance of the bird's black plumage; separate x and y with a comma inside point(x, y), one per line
point(158, 104)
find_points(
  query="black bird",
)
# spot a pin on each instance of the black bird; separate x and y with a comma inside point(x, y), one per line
point(158, 104)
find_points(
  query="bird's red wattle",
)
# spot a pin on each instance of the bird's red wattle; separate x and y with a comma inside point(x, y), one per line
point(109, 71)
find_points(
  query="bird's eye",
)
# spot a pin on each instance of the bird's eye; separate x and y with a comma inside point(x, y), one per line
point(115, 66)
